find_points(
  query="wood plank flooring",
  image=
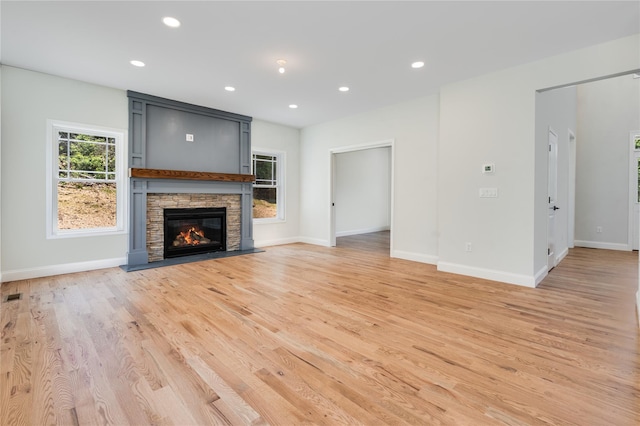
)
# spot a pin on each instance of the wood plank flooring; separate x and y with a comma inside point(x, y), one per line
point(302, 334)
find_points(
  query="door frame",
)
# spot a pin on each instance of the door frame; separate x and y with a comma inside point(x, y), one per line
point(571, 199)
point(634, 154)
point(552, 256)
point(389, 143)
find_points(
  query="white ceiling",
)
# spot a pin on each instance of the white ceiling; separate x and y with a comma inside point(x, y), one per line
point(367, 46)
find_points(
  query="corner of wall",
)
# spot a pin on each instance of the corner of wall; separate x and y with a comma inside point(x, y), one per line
point(415, 257)
point(314, 241)
point(277, 242)
point(489, 274)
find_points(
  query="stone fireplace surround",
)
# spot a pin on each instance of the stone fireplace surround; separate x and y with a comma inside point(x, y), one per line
point(218, 172)
point(156, 203)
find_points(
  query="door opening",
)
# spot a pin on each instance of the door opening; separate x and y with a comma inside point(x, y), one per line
point(347, 223)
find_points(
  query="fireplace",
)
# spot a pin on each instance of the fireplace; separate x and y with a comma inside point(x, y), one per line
point(212, 171)
point(194, 230)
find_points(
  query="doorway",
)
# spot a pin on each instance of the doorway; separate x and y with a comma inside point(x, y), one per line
point(594, 187)
point(361, 191)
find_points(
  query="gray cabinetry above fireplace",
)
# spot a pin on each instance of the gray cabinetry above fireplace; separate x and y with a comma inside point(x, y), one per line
point(175, 136)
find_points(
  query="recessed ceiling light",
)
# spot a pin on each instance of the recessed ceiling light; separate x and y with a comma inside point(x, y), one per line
point(293, 106)
point(281, 63)
point(343, 89)
point(230, 88)
point(171, 22)
point(137, 63)
point(418, 64)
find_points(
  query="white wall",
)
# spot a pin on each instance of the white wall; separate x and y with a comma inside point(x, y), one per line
point(28, 100)
point(1, 68)
point(363, 191)
point(556, 109)
point(491, 118)
point(413, 126)
point(607, 111)
point(269, 136)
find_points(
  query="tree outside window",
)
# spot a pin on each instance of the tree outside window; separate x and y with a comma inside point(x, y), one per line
point(267, 189)
point(86, 181)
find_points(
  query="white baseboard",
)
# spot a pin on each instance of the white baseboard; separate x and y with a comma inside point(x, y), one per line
point(314, 241)
point(541, 274)
point(544, 271)
point(562, 255)
point(67, 268)
point(276, 242)
point(601, 245)
point(415, 257)
point(362, 231)
point(488, 274)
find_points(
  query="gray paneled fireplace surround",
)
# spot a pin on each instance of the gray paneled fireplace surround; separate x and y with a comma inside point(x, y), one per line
point(190, 176)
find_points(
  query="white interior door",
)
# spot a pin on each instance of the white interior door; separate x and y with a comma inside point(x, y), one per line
point(553, 193)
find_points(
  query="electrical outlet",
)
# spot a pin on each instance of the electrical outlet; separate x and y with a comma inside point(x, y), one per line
point(467, 247)
point(189, 137)
point(599, 229)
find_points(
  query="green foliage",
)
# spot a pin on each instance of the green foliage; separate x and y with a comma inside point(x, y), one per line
point(86, 156)
point(264, 169)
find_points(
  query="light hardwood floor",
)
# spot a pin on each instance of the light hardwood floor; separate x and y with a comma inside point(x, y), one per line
point(307, 334)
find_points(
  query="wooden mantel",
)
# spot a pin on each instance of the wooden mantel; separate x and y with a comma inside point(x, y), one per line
point(188, 175)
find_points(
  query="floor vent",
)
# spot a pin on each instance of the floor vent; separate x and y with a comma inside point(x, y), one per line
point(15, 296)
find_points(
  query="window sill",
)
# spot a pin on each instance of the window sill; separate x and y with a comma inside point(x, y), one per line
point(268, 221)
point(86, 233)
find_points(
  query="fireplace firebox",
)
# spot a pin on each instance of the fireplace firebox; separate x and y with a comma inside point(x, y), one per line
point(194, 231)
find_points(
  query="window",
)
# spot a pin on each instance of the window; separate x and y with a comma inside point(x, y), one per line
point(268, 190)
point(85, 180)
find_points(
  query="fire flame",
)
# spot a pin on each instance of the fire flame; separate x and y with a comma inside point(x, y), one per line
point(191, 237)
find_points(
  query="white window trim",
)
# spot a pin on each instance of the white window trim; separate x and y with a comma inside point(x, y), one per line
point(52, 182)
point(280, 188)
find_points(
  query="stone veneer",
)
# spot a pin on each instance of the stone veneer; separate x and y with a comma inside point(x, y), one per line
point(156, 203)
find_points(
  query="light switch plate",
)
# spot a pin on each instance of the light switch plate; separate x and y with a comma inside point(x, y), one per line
point(488, 193)
point(189, 137)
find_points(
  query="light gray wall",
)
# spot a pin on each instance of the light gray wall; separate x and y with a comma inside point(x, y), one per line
point(556, 109)
point(363, 191)
point(607, 111)
point(267, 136)
point(491, 118)
point(413, 127)
point(215, 148)
point(28, 100)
